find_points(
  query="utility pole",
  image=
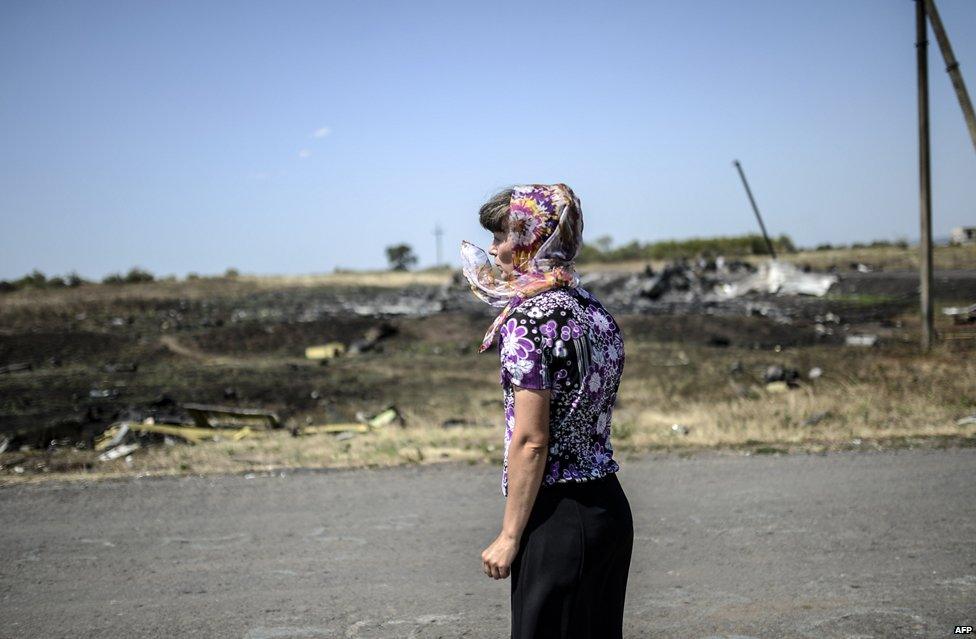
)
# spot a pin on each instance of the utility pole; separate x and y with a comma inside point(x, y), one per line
point(925, 175)
point(438, 232)
point(952, 68)
point(755, 209)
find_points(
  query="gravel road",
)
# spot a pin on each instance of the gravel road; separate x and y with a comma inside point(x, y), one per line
point(852, 544)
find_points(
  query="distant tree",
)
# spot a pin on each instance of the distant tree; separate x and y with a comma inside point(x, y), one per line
point(603, 243)
point(137, 274)
point(231, 273)
point(400, 257)
point(785, 243)
point(36, 279)
point(73, 280)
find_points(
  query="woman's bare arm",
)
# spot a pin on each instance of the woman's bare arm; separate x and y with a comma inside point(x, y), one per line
point(526, 457)
point(526, 464)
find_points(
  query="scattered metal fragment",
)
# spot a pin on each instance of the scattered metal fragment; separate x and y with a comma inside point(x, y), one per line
point(815, 373)
point(679, 429)
point(387, 416)
point(348, 427)
point(861, 340)
point(961, 314)
point(119, 451)
point(963, 421)
point(113, 436)
point(777, 373)
point(781, 278)
point(209, 416)
point(103, 393)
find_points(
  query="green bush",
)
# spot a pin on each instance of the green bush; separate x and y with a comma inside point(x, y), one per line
point(735, 246)
point(137, 275)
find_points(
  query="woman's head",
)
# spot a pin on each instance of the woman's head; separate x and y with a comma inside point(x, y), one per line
point(533, 226)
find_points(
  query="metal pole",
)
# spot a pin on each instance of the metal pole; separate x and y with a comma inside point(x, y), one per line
point(925, 176)
point(769, 245)
point(952, 68)
point(437, 233)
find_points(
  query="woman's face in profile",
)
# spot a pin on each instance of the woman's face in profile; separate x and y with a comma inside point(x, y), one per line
point(501, 249)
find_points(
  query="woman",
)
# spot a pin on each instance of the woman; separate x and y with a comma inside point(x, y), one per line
point(567, 532)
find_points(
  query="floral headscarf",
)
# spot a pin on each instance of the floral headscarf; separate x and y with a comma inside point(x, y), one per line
point(543, 258)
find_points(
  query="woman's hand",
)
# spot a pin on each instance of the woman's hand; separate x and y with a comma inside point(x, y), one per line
point(497, 558)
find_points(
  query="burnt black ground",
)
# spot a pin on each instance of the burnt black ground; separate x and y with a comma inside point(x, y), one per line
point(872, 544)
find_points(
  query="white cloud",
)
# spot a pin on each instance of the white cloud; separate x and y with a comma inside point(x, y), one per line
point(304, 153)
point(321, 132)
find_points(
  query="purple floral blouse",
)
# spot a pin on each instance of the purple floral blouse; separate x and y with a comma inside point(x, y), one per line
point(565, 340)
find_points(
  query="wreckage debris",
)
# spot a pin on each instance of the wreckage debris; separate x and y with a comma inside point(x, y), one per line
point(364, 424)
point(325, 352)
point(678, 429)
point(779, 278)
point(119, 451)
point(368, 342)
point(207, 416)
point(777, 373)
point(961, 314)
point(103, 393)
point(122, 438)
point(861, 340)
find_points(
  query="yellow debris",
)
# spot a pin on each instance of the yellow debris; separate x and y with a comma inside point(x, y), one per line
point(334, 428)
point(325, 351)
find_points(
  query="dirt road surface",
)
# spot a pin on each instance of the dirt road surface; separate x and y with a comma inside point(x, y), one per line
point(872, 544)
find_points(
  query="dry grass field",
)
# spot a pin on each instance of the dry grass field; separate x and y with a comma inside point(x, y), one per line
point(681, 389)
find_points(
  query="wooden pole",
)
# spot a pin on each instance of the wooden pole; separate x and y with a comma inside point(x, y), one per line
point(952, 68)
point(925, 176)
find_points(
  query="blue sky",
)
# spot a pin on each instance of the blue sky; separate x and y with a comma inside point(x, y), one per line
point(297, 137)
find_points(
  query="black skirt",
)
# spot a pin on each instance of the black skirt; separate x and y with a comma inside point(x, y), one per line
point(569, 577)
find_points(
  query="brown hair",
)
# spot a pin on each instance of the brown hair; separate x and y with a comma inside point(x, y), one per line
point(494, 213)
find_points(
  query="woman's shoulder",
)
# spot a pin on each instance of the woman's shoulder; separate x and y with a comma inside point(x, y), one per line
point(552, 302)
